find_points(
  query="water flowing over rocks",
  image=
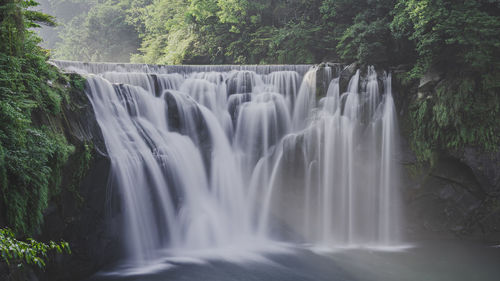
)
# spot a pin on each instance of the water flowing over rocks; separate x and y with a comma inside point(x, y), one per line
point(205, 157)
point(211, 156)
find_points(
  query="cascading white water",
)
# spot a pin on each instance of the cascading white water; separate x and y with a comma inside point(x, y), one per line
point(207, 157)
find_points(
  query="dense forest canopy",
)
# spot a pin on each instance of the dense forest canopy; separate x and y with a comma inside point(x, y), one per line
point(278, 31)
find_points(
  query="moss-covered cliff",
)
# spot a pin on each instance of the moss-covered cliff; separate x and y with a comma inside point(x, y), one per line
point(80, 214)
point(451, 139)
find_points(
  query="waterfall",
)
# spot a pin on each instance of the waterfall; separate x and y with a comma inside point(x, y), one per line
point(207, 157)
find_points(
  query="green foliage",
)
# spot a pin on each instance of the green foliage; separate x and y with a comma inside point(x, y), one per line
point(388, 32)
point(166, 35)
point(450, 36)
point(367, 38)
point(31, 92)
point(293, 43)
point(460, 112)
point(459, 41)
point(82, 159)
point(101, 34)
point(31, 252)
point(256, 32)
point(193, 31)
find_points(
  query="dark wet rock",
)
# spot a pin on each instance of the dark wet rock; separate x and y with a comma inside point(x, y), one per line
point(345, 76)
point(234, 105)
point(447, 192)
point(240, 83)
point(441, 199)
point(323, 78)
point(174, 119)
point(85, 214)
point(485, 166)
point(177, 121)
point(449, 200)
point(156, 84)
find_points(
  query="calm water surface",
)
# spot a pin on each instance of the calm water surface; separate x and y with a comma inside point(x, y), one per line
point(437, 260)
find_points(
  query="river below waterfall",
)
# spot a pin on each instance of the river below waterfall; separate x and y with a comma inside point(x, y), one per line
point(444, 260)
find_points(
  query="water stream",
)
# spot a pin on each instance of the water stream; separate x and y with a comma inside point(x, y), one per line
point(233, 160)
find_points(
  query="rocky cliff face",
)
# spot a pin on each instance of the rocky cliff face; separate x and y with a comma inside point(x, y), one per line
point(85, 213)
point(458, 196)
point(453, 197)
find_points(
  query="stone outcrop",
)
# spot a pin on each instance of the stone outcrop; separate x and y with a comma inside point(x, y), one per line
point(85, 214)
point(459, 195)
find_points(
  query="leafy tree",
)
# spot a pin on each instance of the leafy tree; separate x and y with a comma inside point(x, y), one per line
point(166, 36)
point(18, 253)
point(31, 155)
point(368, 39)
point(103, 34)
point(451, 36)
point(64, 11)
point(460, 42)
